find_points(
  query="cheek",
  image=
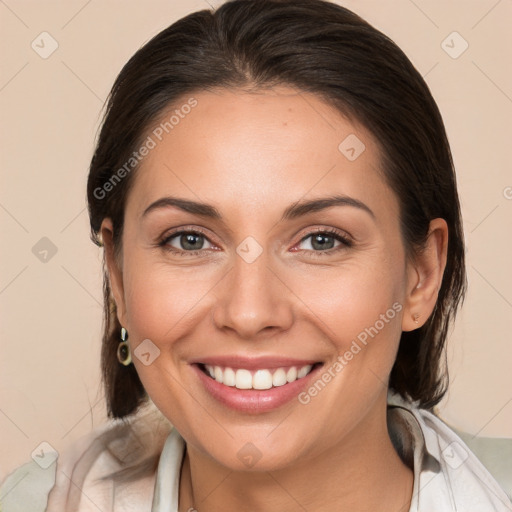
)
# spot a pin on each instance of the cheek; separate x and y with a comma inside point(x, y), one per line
point(161, 299)
point(358, 307)
point(164, 301)
point(352, 297)
point(164, 305)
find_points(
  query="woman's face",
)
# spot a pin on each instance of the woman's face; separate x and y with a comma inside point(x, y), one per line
point(269, 282)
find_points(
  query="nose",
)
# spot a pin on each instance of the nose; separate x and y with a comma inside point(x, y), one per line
point(254, 301)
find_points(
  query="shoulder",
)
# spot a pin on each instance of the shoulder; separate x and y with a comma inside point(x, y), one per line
point(495, 453)
point(122, 455)
point(449, 475)
point(27, 488)
point(468, 482)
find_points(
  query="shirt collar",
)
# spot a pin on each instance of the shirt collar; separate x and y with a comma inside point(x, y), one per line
point(425, 439)
point(165, 498)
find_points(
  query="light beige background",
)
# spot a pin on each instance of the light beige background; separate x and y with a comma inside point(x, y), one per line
point(51, 311)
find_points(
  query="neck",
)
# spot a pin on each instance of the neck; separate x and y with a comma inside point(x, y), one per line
point(362, 472)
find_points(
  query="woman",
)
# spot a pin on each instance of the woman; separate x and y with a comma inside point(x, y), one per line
point(275, 195)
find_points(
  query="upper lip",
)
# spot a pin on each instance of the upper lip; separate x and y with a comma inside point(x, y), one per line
point(253, 363)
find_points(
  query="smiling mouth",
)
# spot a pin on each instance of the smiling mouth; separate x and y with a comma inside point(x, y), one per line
point(260, 379)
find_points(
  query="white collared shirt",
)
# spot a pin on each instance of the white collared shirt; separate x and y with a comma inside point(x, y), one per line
point(447, 475)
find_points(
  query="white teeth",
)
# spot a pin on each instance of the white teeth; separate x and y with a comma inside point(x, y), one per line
point(229, 377)
point(260, 379)
point(291, 374)
point(279, 377)
point(302, 372)
point(243, 379)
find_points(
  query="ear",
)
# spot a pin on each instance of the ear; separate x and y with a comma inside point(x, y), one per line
point(115, 272)
point(424, 277)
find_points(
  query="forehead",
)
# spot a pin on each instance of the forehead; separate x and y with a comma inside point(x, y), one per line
point(236, 148)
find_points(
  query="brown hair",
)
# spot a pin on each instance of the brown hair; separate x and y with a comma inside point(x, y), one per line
point(314, 46)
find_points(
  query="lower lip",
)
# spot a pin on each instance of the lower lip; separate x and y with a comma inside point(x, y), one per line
point(254, 401)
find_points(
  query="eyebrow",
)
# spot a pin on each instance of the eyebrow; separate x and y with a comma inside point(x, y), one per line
point(298, 209)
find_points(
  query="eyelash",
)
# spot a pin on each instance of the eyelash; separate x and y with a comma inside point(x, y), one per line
point(346, 242)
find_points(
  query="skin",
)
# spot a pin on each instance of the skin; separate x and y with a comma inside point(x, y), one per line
point(252, 155)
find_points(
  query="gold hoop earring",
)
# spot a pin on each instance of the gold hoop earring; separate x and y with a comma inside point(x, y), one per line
point(123, 349)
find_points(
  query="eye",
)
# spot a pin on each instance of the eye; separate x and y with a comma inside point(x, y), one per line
point(323, 242)
point(186, 242)
point(193, 242)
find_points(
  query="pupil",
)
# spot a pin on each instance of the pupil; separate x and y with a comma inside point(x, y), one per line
point(189, 241)
point(323, 241)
